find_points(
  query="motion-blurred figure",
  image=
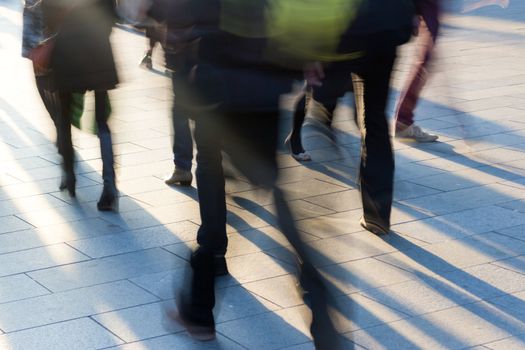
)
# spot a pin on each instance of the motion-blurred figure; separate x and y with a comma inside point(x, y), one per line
point(32, 36)
point(156, 33)
point(82, 60)
point(367, 53)
point(428, 13)
point(180, 58)
point(233, 93)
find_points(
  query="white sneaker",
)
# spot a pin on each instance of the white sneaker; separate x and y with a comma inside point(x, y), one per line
point(415, 133)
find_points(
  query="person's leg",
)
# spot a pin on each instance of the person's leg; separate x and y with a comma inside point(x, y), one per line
point(195, 305)
point(182, 141)
point(404, 115)
point(294, 140)
point(147, 61)
point(60, 103)
point(371, 88)
point(109, 197)
point(252, 145)
point(211, 183)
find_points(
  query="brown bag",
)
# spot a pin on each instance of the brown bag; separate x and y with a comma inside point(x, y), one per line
point(41, 55)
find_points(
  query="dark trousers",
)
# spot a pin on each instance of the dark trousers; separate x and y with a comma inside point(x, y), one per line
point(250, 139)
point(371, 88)
point(427, 34)
point(64, 142)
point(371, 79)
point(57, 105)
point(182, 141)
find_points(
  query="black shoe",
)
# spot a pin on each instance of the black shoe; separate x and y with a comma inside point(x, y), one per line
point(373, 227)
point(200, 325)
point(108, 199)
point(220, 267)
point(68, 182)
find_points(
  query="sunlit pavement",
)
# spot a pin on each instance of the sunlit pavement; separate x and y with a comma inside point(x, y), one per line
point(450, 275)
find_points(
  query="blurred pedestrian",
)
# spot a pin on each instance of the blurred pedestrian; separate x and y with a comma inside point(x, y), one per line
point(180, 58)
point(427, 32)
point(82, 60)
point(234, 91)
point(156, 34)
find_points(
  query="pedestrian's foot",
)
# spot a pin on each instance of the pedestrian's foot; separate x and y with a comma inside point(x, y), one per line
point(198, 325)
point(180, 177)
point(68, 182)
point(296, 149)
point(373, 227)
point(414, 132)
point(146, 62)
point(220, 266)
point(108, 199)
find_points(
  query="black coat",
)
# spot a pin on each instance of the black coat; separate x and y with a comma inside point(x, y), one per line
point(82, 59)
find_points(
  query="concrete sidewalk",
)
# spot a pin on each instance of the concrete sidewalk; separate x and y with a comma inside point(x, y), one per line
point(451, 275)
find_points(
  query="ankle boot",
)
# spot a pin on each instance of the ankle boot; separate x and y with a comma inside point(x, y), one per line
point(108, 199)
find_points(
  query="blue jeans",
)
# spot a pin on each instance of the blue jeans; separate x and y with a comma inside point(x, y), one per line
point(182, 141)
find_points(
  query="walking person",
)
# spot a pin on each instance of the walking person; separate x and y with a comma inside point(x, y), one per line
point(181, 62)
point(180, 59)
point(235, 89)
point(427, 33)
point(35, 34)
point(82, 60)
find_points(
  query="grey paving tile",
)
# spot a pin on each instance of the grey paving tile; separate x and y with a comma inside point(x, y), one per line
point(279, 290)
point(38, 258)
point(363, 274)
point(406, 190)
point(48, 235)
point(71, 305)
point(469, 198)
point(512, 343)
point(268, 331)
point(301, 209)
point(516, 264)
point(19, 287)
point(339, 201)
point(140, 322)
point(58, 215)
point(129, 241)
point(12, 223)
point(455, 328)
point(460, 253)
point(166, 285)
point(153, 217)
point(451, 181)
point(256, 266)
point(240, 219)
point(488, 280)
point(410, 171)
point(355, 312)
point(78, 334)
point(332, 225)
point(252, 241)
point(314, 187)
point(26, 189)
point(424, 295)
point(105, 270)
point(236, 302)
point(183, 342)
point(167, 196)
point(346, 248)
point(461, 224)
